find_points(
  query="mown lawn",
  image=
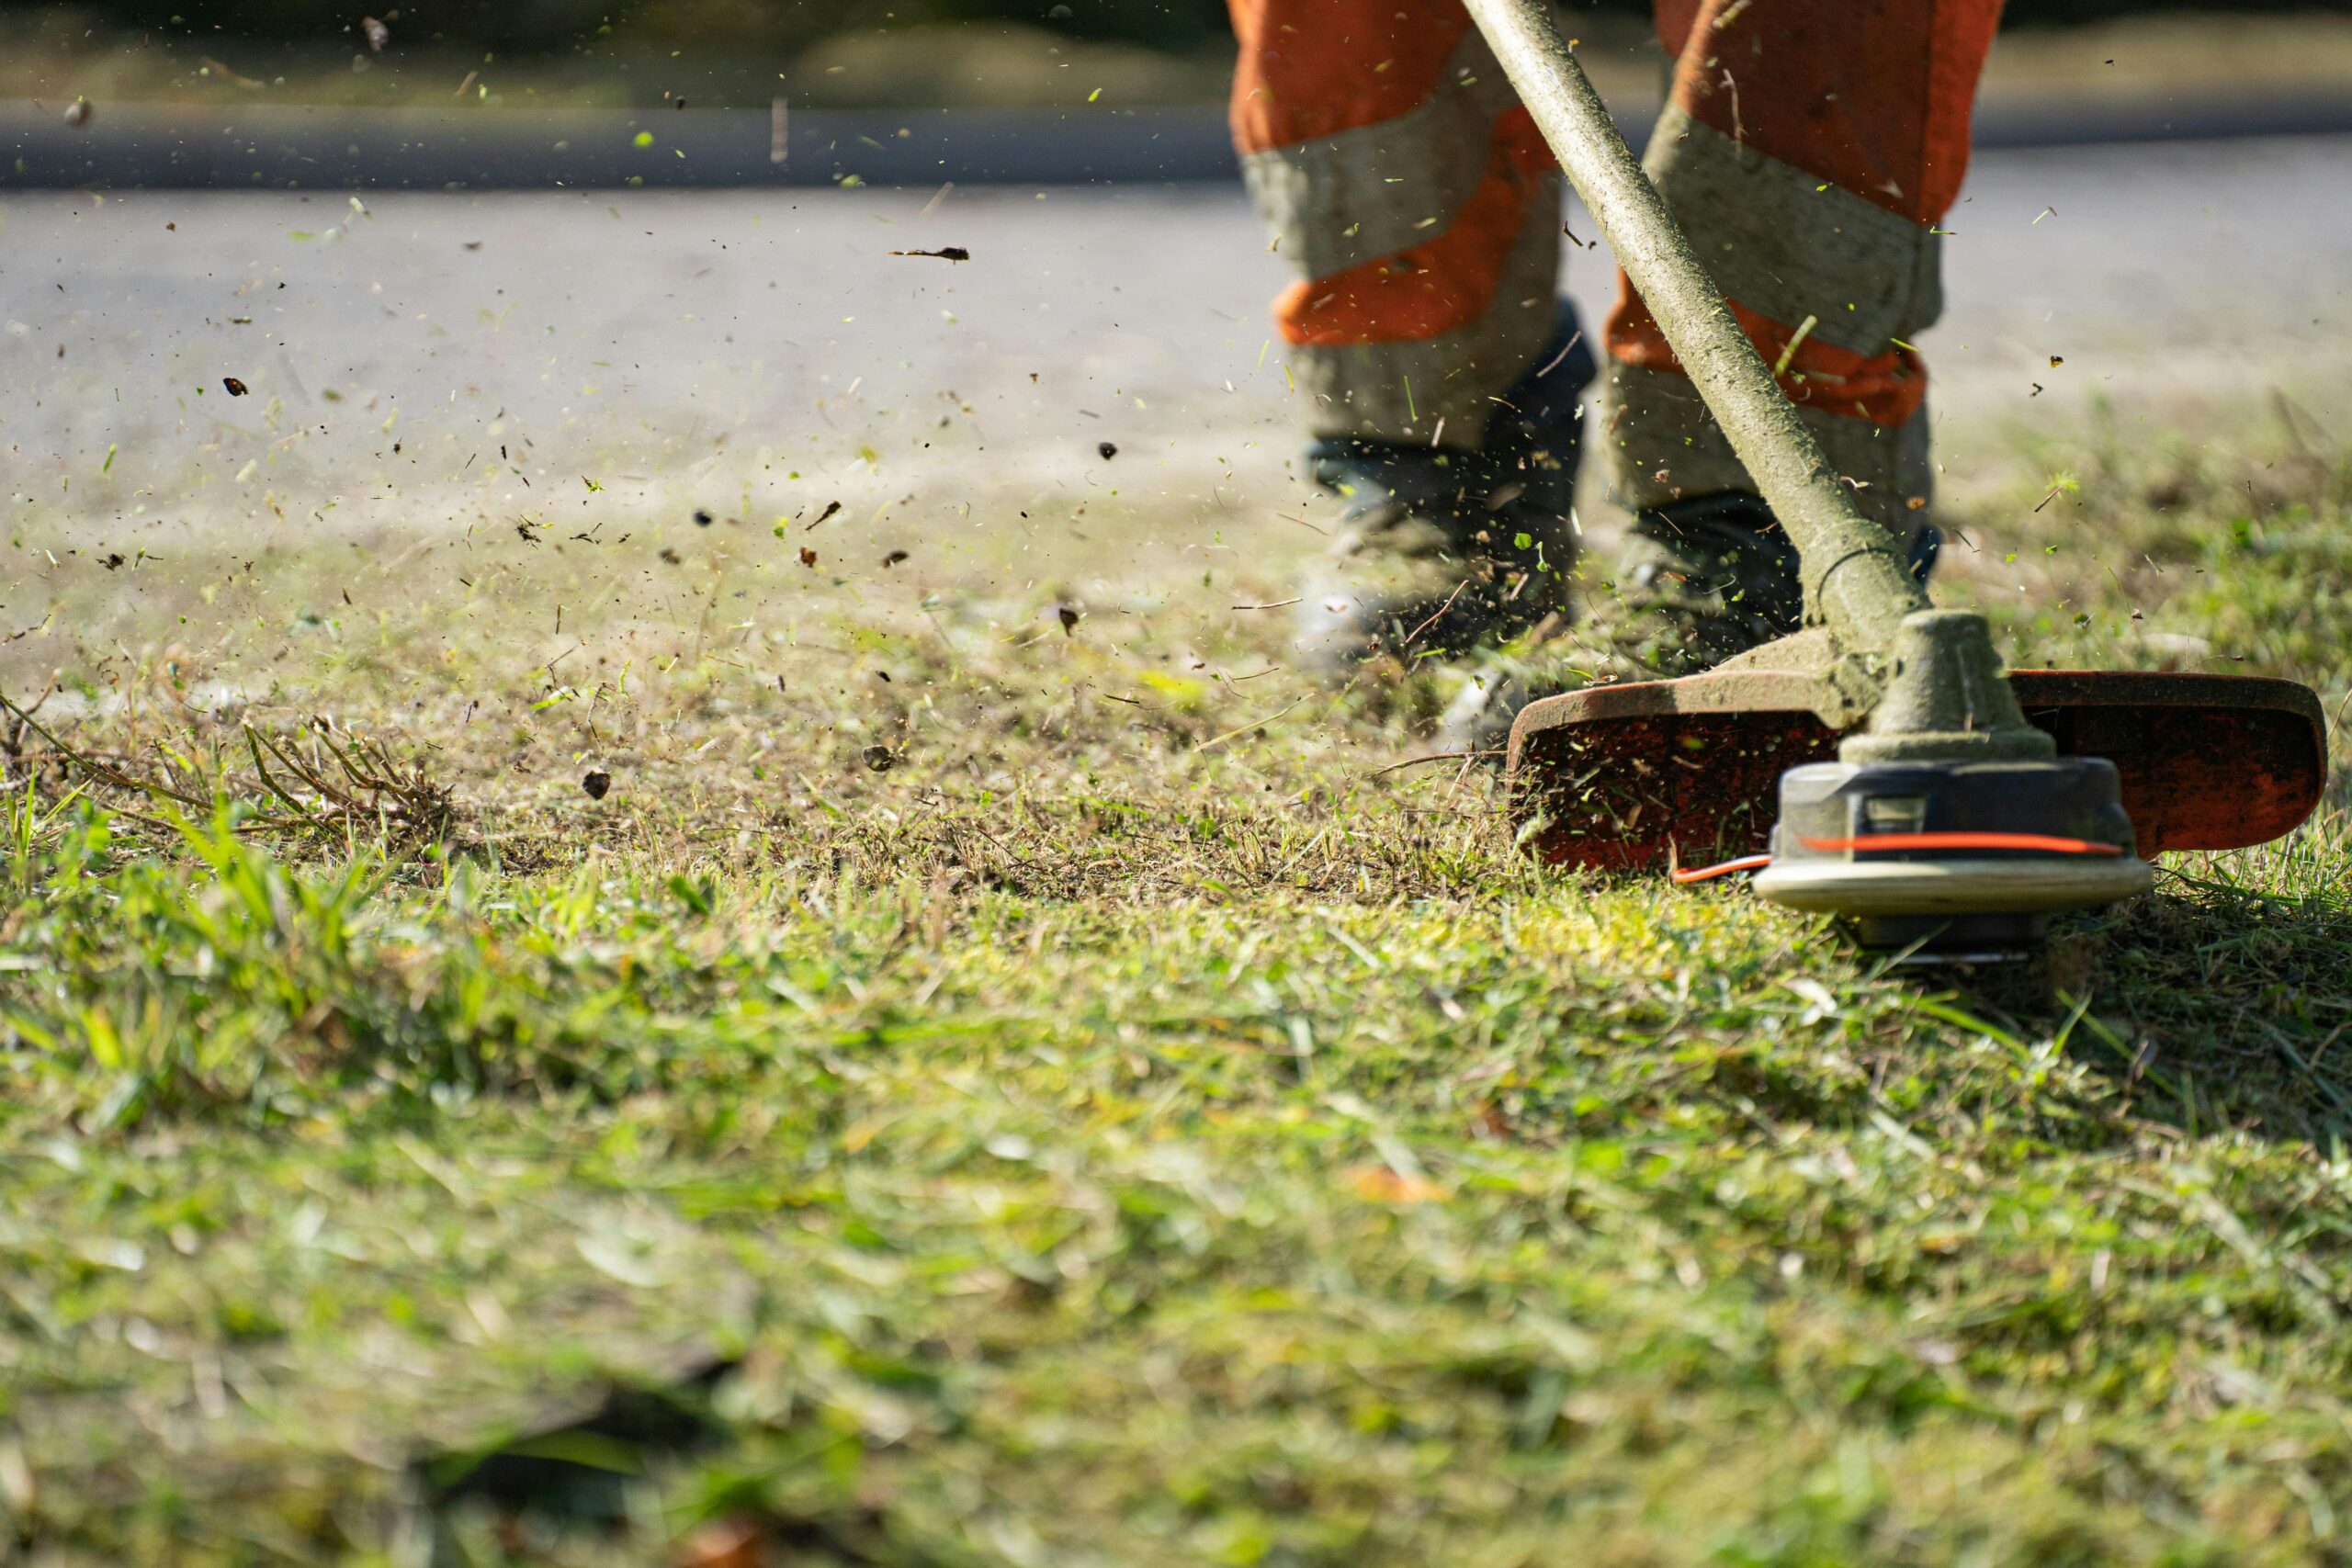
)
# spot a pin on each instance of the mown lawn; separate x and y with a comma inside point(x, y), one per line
point(1063, 1104)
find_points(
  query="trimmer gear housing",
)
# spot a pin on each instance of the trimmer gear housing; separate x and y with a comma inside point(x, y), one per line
point(1946, 857)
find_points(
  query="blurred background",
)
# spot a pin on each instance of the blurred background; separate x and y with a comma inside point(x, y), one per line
point(610, 267)
point(852, 52)
point(871, 53)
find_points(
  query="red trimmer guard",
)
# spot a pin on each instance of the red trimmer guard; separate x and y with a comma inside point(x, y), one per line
point(1624, 777)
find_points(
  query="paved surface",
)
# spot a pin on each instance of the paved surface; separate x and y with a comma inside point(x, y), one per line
point(319, 147)
point(705, 347)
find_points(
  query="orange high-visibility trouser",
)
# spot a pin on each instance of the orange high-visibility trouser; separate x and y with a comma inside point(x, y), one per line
point(1809, 147)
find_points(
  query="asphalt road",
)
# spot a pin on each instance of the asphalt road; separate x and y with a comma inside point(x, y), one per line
point(315, 147)
point(438, 360)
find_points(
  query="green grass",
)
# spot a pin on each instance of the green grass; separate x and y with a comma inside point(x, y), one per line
point(1113, 1131)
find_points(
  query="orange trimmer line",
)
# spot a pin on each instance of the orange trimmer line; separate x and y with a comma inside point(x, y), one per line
point(2043, 842)
point(1709, 872)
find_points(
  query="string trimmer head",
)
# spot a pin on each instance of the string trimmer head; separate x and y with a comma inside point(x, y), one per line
point(1660, 774)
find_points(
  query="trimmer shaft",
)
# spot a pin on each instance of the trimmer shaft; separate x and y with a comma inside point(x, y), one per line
point(1952, 856)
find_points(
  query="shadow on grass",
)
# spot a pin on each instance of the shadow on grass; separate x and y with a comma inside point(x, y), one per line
point(585, 1480)
point(2214, 1006)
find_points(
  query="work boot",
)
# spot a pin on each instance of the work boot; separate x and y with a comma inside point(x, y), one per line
point(1440, 551)
point(1699, 581)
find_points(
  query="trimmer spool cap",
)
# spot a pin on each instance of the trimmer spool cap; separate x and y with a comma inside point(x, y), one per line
point(1952, 856)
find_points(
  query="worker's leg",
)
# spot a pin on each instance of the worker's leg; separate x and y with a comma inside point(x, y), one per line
point(1416, 202)
point(1810, 148)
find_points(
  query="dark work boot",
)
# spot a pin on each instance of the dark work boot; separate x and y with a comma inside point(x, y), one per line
point(1438, 552)
point(1699, 581)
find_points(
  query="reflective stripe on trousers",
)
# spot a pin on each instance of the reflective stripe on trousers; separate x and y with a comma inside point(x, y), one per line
point(1809, 147)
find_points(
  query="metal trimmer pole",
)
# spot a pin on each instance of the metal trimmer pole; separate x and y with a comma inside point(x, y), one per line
point(1857, 583)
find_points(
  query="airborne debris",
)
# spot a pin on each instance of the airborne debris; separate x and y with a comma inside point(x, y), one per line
point(236, 387)
point(702, 518)
point(945, 252)
point(881, 759)
point(379, 35)
point(894, 558)
point(77, 113)
point(1109, 449)
point(807, 558)
point(1069, 615)
point(596, 782)
point(830, 507)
